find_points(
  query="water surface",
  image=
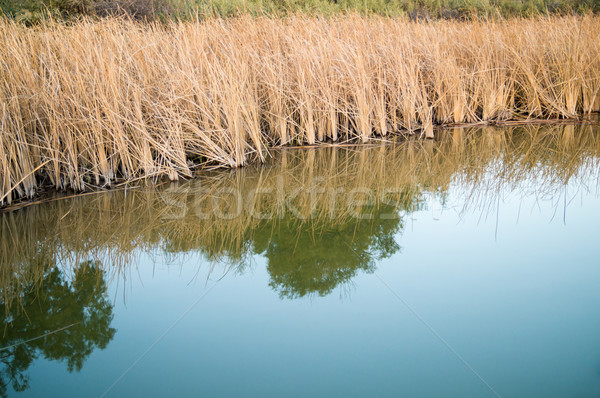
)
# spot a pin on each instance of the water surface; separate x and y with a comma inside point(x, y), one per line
point(464, 267)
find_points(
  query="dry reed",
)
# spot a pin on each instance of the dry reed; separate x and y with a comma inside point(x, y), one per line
point(85, 104)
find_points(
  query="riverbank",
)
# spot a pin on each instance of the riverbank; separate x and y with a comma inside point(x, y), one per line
point(94, 101)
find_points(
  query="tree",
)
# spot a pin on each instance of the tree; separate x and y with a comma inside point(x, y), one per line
point(316, 256)
point(58, 319)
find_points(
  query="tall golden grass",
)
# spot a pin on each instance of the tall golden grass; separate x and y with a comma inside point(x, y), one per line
point(85, 104)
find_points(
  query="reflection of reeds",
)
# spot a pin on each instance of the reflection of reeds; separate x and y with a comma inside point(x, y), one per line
point(111, 227)
point(87, 103)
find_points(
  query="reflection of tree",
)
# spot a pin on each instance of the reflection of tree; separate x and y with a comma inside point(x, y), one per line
point(318, 255)
point(60, 319)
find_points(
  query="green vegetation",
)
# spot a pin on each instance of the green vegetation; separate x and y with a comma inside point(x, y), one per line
point(60, 317)
point(35, 10)
point(317, 257)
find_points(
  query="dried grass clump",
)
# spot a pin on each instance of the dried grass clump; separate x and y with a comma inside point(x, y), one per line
point(85, 104)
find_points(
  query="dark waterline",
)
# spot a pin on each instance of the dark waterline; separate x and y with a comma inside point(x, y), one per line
point(465, 267)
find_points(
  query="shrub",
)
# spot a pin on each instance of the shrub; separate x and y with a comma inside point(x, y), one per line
point(33, 11)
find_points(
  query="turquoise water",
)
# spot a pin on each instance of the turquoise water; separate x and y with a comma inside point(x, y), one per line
point(471, 278)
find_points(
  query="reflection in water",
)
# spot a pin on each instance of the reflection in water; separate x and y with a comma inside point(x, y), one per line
point(318, 217)
point(61, 318)
point(312, 258)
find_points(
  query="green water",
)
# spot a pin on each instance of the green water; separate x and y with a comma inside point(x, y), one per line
point(464, 267)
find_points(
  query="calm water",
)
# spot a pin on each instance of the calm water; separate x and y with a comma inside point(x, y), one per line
point(465, 267)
